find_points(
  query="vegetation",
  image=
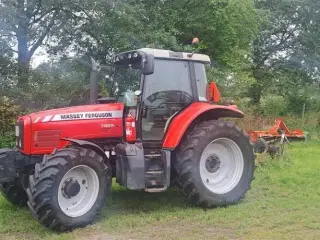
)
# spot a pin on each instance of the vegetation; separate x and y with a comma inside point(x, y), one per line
point(259, 48)
point(282, 204)
point(264, 53)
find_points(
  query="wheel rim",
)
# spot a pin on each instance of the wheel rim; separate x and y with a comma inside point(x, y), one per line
point(78, 191)
point(221, 165)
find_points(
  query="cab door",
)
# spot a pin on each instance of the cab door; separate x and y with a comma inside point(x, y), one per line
point(165, 93)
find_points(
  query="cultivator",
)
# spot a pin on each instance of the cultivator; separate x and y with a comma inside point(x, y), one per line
point(273, 140)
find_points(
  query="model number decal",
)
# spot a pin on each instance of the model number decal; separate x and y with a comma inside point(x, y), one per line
point(107, 126)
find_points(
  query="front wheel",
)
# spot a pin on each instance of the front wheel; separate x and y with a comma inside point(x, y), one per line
point(69, 188)
point(215, 164)
point(14, 193)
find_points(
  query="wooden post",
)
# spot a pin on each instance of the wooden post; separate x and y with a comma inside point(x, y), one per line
point(303, 112)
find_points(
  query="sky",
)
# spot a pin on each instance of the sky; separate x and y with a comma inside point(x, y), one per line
point(39, 57)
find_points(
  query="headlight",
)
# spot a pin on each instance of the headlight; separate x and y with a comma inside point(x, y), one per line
point(20, 134)
point(17, 131)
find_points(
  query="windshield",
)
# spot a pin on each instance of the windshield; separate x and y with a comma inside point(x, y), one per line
point(126, 82)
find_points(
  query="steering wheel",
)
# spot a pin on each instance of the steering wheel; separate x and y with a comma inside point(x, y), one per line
point(153, 101)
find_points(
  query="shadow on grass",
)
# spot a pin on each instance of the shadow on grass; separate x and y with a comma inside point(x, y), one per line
point(124, 201)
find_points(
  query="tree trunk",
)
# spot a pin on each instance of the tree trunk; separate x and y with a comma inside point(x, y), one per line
point(255, 91)
point(23, 53)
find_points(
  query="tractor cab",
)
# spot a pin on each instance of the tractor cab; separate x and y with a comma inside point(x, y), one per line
point(157, 84)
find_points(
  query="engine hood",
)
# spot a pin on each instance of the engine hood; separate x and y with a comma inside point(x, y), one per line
point(86, 112)
point(44, 131)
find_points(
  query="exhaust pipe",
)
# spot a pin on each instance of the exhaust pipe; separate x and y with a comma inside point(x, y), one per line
point(95, 69)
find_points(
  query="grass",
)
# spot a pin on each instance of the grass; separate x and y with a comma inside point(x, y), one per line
point(283, 203)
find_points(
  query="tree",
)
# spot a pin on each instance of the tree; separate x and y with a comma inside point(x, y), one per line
point(226, 28)
point(27, 24)
point(289, 39)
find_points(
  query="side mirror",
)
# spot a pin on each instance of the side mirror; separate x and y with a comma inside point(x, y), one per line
point(147, 64)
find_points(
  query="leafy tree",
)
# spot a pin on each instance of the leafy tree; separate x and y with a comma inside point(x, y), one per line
point(26, 25)
point(288, 39)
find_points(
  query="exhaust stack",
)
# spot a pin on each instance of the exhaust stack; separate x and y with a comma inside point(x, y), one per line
point(95, 69)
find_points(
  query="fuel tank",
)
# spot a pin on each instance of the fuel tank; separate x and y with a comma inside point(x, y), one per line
point(41, 132)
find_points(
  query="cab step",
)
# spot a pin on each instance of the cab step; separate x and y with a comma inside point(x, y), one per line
point(155, 190)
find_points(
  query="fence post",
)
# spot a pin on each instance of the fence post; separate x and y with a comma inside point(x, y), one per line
point(303, 112)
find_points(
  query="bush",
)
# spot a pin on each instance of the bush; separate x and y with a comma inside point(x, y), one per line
point(273, 106)
point(8, 115)
point(7, 140)
point(296, 103)
point(314, 104)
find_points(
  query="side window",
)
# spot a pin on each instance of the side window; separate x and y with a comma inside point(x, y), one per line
point(166, 92)
point(201, 79)
point(168, 77)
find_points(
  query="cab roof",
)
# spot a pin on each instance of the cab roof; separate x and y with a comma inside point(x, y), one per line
point(167, 54)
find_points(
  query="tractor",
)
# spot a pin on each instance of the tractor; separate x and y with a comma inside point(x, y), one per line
point(161, 127)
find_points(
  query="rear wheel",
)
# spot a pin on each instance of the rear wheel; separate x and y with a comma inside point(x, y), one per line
point(69, 188)
point(14, 193)
point(215, 164)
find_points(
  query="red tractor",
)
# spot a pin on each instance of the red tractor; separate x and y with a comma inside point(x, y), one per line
point(160, 128)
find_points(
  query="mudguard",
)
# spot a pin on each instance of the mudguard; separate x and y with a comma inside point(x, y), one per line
point(87, 144)
point(199, 110)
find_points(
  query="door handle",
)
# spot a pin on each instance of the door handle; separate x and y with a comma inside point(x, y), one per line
point(144, 112)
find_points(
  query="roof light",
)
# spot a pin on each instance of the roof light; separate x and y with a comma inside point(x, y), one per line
point(135, 55)
point(129, 55)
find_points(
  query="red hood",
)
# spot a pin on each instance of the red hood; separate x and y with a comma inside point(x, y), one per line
point(86, 112)
point(44, 130)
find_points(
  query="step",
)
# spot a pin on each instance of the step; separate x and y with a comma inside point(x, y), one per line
point(155, 190)
point(152, 155)
point(155, 172)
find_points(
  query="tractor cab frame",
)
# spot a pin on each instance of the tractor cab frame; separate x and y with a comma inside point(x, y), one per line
point(158, 84)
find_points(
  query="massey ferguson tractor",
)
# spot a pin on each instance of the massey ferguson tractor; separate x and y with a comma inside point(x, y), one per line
point(160, 127)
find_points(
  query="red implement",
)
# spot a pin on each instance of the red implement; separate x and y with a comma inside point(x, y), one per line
point(275, 132)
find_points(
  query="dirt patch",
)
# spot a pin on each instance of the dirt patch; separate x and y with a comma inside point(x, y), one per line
point(168, 230)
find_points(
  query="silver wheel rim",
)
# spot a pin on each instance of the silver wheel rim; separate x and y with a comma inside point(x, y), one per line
point(82, 202)
point(221, 165)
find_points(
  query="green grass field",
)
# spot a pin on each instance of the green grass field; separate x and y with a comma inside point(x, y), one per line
point(284, 203)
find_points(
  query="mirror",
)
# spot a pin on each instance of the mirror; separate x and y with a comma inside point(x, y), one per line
point(147, 64)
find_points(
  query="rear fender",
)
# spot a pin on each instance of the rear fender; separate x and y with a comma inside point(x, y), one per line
point(199, 111)
point(87, 144)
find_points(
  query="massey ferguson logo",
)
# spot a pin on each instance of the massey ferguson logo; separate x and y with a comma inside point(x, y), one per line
point(81, 116)
point(85, 116)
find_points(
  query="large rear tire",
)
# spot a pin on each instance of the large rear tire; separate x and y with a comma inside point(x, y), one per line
point(69, 188)
point(14, 193)
point(215, 164)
